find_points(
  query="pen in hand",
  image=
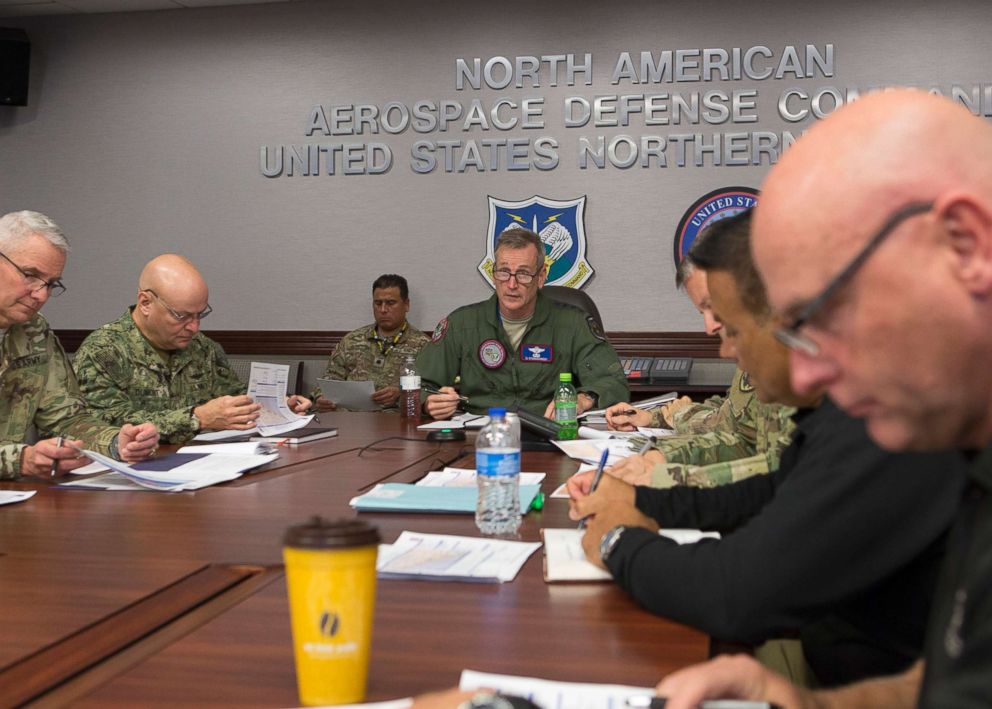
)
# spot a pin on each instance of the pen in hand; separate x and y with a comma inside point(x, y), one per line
point(60, 441)
point(432, 390)
point(595, 480)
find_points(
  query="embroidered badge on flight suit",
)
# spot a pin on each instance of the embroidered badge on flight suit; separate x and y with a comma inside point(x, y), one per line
point(442, 327)
point(595, 329)
point(537, 353)
point(492, 354)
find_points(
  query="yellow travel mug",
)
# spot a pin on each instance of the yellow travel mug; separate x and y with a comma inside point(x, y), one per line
point(330, 574)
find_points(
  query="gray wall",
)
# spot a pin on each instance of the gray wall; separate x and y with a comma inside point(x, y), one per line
point(144, 129)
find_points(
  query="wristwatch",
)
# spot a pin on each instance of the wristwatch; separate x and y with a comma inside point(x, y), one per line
point(609, 542)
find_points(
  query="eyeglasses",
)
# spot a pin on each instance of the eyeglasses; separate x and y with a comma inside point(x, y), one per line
point(523, 277)
point(177, 316)
point(55, 286)
point(789, 334)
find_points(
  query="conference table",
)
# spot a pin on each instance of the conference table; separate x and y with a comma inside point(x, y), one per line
point(112, 598)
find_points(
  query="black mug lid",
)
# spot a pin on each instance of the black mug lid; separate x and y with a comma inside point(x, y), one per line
point(319, 533)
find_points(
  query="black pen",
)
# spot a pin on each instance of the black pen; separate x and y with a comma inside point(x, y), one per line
point(645, 702)
point(432, 390)
point(55, 461)
point(595, 480)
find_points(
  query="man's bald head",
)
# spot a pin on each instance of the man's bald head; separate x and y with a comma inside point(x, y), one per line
point(172, 276)
point(897, 339)
point(170, 289)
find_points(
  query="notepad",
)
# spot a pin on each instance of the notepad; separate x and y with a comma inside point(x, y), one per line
point(401, 497)
point(466, 477)
point(442, 557)
point(300, 435)
point(548, 693)
point(564, 559)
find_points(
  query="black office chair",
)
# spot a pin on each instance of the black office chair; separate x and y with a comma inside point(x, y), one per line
point(573, 296)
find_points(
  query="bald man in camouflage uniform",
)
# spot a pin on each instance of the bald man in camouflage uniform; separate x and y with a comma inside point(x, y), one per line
point(37, 386)
point(376, 352)
point(154, 364)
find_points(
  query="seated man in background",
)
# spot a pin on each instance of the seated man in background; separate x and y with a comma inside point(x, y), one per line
point(841, 544)
point(724, 439)
point(154, 364)
point(38, 385)
point(510, 349)
point(376, 352)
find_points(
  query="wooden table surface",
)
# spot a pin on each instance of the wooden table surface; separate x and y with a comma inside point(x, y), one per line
point(155, 599)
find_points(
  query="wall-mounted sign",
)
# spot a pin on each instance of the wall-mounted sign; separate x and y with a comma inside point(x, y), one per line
point(561, 226)
point(711, 207)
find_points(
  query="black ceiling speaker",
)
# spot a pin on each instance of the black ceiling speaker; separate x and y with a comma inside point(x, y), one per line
point(15, 65)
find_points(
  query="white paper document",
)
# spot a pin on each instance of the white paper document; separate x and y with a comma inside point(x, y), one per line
point(243, 448)
point(589, 451)
point(267, 386)
point(354, 396)
point(9, 497)
point(564, 559)
point(460, 421)
point(560, 695)
point(466, 477)
point(441, 557)
point(201, 471)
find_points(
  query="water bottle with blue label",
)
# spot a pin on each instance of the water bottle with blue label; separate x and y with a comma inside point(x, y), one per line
point(497, 460)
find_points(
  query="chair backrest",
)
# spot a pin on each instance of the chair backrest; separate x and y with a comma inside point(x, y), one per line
point(573, 296)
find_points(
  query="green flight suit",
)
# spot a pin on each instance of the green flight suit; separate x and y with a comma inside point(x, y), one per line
point(37, 387)
point(724, 439)
point(358, 357)
point(472, 344)
point(126, 381)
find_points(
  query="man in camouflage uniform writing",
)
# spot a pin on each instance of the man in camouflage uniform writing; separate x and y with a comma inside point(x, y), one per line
point(37, 386)
point(721, 440)
point(509, 349)
point(154, 364)
point(376, 352)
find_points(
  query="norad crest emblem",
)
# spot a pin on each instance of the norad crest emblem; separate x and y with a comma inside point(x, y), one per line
point(561, 226)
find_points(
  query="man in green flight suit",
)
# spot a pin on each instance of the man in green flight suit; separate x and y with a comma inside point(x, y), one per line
point(376, 352)
point(154, 364)
point(509, 349)
point(37, 386)
point(723, 439)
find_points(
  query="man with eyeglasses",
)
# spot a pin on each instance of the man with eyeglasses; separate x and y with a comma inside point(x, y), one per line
point(509, 350)
point(37, 384)
point(154, 364)
point(877, 257)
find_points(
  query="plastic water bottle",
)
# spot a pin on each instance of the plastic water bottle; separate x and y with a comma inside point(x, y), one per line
point(409, 389)
point(566, 407)
point(497, 460)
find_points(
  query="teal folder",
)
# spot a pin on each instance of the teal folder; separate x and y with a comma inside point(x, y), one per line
point(400, 497)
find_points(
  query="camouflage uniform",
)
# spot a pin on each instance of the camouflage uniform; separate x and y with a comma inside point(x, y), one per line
point(126, 381)
point(37, 387)
point(358, 357)
point(472, 343)
point(724, 439)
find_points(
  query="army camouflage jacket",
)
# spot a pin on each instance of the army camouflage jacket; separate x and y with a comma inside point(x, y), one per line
point(471, 343)
point(37, 387)
point(358, 357)
point(125, 381)
point(723, 443)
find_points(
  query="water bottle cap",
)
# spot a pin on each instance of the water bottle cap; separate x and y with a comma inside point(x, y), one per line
point(497, 412)
point(565, 377)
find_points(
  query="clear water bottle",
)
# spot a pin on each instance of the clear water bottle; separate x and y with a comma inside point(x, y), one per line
point(566, 407)
point(497, 460)
point(409, 389)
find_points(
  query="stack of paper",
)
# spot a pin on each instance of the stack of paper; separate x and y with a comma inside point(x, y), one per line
point(561, 695)
point(441, 557)
point(171, 473)
point(589, 451)
point(459, 421)
point(465, 477)
point(401, 497)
